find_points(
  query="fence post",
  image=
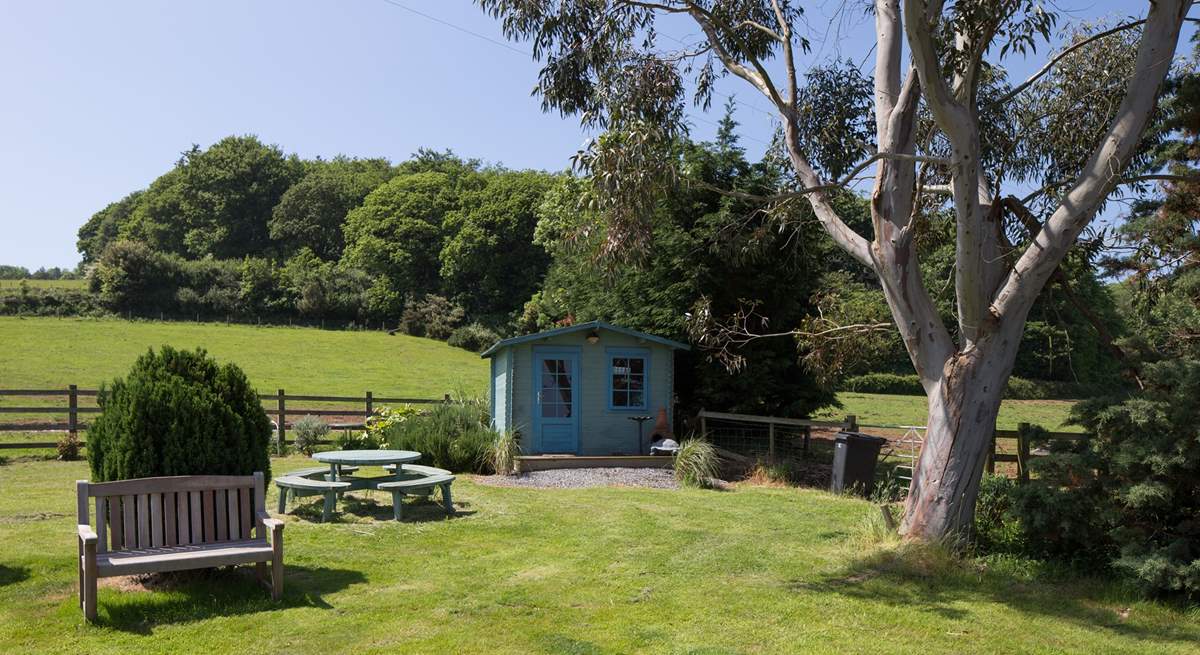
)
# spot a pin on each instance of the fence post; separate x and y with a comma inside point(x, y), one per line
point(1023, 452)
point(851, 423)
point(989, 464)
point(446, 398)
point(370, 404)
point(771, 441)
point(73, 410)
point(281, 439)
point(807, 438)
point(703, 426)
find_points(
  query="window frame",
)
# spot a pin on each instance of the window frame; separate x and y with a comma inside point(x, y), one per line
point(628, 353)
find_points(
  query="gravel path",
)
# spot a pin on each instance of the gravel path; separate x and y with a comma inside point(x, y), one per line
point(586, 477)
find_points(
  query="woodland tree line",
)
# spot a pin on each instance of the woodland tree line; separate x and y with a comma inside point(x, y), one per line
point(452, 248)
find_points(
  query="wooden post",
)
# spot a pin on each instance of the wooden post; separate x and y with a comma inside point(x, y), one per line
point(1023, 452)
point(807, 438)
point(703, 426)
point(279, 446)
point(73, 410)
point(370, 404)
point(446, 398)
point(771, 441)
point(989, 464)
point(851, 423)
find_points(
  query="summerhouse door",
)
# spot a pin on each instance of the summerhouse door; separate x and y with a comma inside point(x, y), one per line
point(556, 401)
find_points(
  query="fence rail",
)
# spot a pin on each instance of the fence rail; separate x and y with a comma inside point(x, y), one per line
point(274, 404)
point(777, 438)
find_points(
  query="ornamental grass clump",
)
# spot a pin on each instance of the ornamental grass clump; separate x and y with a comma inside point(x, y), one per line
point(696, 463)
point(504, 453)
point(179, 412)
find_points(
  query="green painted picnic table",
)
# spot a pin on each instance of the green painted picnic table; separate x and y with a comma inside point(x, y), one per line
point(337, 458)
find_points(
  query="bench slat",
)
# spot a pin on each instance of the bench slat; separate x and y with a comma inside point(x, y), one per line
point(114, 529)
point(102, 525)
point(260, 505)
point(143, 520)
point(197, 523)
point(206, 497)
point(244, 510)
point(416, 483)
point(233, 514)
point(181, 518)
point(169, 483)
point(128, 509)
point(156, 521)
point(307, 483)
point(222, 526)
point(170, 535)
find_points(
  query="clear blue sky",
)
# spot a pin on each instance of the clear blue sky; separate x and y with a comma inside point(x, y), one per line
point(101, 97)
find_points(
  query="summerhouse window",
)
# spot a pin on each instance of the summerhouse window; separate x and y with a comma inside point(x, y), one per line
point(627, 379)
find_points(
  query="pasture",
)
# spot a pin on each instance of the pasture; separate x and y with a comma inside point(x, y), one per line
point(45, 284)
point(605, 570)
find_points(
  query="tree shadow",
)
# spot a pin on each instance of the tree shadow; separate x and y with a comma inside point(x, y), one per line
point(201, 595)
point(416, 510)
point(12, 574)
point(930, 580)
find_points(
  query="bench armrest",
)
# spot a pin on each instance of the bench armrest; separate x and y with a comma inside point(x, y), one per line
point(87, 535)
point(274, 525)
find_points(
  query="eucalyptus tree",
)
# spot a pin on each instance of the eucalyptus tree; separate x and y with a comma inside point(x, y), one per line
point(602, 60)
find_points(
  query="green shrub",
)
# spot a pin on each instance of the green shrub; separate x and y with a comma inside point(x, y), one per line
point(891, 383)
point(432, 316)
point(473, 337)
point(696, 463)
point(451, 436)
point(996, 528)
point(309, 430)
point(179, 412)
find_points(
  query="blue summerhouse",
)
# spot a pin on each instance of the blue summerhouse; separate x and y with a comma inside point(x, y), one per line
point(577, 390)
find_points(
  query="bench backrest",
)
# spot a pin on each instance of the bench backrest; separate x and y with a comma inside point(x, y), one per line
point(173, 511)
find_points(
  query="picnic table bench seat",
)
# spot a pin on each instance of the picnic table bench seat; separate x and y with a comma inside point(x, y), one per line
point(418, 484)
point(297, 486)
point(319, 471)
point(416, 468)
point(154, 525)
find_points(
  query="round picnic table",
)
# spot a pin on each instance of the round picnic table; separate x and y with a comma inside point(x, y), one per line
point(336, 458)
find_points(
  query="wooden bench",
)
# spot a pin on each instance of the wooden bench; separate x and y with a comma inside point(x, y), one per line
point(155, 525)
point(420, 484)
point(297, 486)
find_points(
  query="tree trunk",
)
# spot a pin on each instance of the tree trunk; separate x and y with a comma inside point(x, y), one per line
point(962, 421)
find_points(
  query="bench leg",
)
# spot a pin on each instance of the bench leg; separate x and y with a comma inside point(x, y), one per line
point(88, 591)
point(79, 563)
point(397, 506)
point(260, 572)
point(277, 570)
point(446, 501)
point(330, 504)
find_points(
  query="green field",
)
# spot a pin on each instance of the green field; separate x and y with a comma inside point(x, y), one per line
point(881, 409)
point(611, 570)
point(54, 352)
point(45, 284)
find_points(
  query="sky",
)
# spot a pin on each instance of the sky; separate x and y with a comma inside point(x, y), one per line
point(100, 98)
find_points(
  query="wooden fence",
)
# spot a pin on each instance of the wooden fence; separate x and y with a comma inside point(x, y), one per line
point(1021, 457)
point(275, 405)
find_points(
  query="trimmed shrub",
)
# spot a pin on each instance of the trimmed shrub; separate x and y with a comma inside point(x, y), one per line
point(473, 337)
point(309, 430)
point(179, 412)
point(696, 463)
point(453, 436)
point(891, 383)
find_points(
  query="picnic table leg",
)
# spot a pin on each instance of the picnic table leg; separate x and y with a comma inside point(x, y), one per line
point(283, 494)
point(397, 506)
point(327, 510)
point(446, 502)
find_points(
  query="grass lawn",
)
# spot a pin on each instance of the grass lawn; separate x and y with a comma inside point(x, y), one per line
point(883, 409)
point(616, 570)
point(45, 284)
point(54, 352)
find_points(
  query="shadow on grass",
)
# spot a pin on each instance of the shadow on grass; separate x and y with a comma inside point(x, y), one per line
point(12, 574)
point(416, 510)
point(200, 595)
point(930, 580)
